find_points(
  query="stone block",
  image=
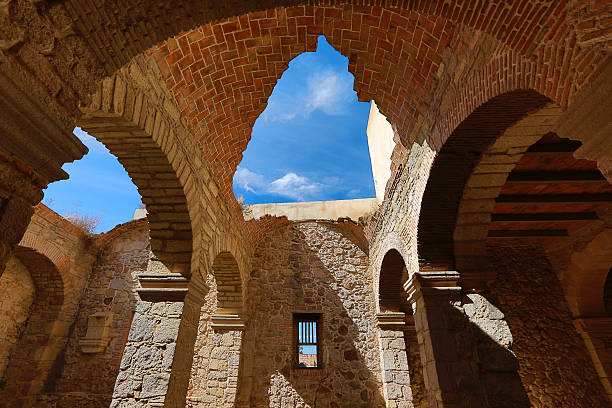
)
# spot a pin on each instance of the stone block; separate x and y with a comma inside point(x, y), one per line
point(142, 328)
point(166, 331)
point(154, 385)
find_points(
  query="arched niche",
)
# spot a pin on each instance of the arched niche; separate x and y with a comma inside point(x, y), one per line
point(393, 274)
point(43, 337)
point(229, 284)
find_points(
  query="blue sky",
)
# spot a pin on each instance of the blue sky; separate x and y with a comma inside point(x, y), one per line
point(309, 144)
point(98, 186)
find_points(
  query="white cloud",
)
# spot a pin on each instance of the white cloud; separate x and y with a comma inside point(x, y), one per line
point(290, 185)
point(328, 91)
point(293, 186)
point(248, 180)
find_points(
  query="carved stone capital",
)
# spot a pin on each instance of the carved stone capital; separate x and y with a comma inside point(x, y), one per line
point(227, 322)
point(31, 137)
point(430, 284)
point(170, 287)
point(391, 320)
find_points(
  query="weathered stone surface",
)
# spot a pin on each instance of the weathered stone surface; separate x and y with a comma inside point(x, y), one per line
point(154, 385)
point(18, 293)
point(555, 368)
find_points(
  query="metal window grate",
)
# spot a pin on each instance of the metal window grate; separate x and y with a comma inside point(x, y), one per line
point(307, 340)
point(307, 333)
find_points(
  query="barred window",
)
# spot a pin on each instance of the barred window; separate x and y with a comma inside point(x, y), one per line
point(307, 335)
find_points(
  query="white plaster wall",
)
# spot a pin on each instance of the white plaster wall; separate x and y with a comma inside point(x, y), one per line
point(314, 210)
point(381, 145)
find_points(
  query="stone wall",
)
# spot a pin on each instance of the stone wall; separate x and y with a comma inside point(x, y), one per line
point(59, 258)
point(111, 288)
point(555, 367)
point(16, 301)
point(216, 359)
point(310, 268)
point(147, 359)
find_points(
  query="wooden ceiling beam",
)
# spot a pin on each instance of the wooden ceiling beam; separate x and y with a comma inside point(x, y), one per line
point(556, 177)
point(544, 217)
point(530, 233)
point(600, 198)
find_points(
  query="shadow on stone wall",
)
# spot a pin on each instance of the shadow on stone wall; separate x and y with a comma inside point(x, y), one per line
point(497, 364)
point(311, 268)
point(555, 367)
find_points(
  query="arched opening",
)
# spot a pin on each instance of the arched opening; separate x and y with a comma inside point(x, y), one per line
point(98, 195)
point(126, 118)
point(309, 143)
point(31, 361)
point(587, 283)
point(449, 175)
point(218, 344)
point(502, 190)
point(400, 350)
point(410, 58)
point(393, 274)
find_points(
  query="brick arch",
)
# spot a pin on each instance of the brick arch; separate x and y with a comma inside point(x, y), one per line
point(131, 124)
point(451, 171)
point(390, 285)
point(229, 284)
point(585, 279)
point(31, 362)
point(505, 72)
point(116, 33)
point(222, 73)
point(485, 183)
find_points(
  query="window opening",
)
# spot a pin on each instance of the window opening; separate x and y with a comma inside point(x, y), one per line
point(308, 348)
point(310, 142)
point(99, 193)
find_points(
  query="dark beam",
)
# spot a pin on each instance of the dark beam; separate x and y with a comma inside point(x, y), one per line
point(565, 146)
point(600, 198)
point(534, 233)
point(543, 217)
point(566, 176)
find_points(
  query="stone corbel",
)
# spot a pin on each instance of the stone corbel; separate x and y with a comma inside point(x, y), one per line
point(391, 320)
point(227, 322)
point(98, 333)
point(171, 287)
point(435, 283)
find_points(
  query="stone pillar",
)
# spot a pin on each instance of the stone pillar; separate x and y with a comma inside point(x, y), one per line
point(188, 331)
point(449, 363)
point(394, 360)
point(156, 362)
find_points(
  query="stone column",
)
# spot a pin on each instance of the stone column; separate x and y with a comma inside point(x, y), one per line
point(188, 332)
point(449, 362)
point(156, 362)
point(394, 360)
